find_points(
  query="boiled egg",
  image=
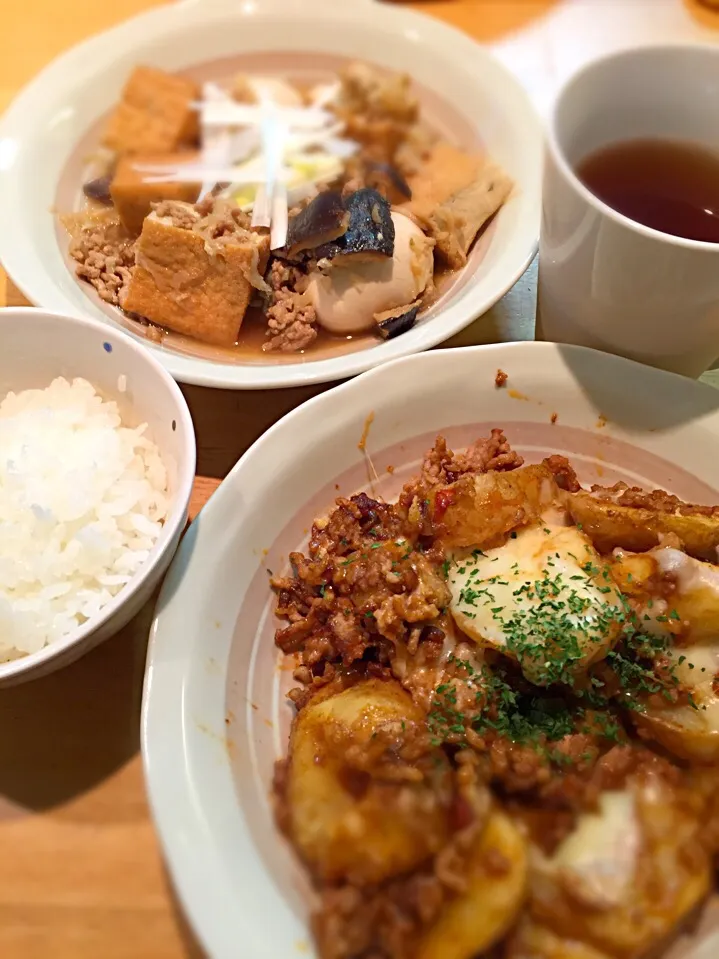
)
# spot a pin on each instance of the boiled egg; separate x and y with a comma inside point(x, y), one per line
point(545, 598)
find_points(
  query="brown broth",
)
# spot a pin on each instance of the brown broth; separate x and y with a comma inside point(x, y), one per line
point(668, 185)
point(304, 71)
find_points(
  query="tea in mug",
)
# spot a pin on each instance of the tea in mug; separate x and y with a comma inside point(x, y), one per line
point(668, 185)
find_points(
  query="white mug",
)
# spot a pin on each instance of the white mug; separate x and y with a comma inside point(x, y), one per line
point(606, 281)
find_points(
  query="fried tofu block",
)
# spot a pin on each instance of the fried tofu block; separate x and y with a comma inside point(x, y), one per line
point(133, 196)
point(154, 115)
point(447, 171)
point(176, 283)
point(455, 223)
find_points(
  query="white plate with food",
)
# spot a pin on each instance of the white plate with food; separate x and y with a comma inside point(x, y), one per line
point(273, 193)
point(474, 642)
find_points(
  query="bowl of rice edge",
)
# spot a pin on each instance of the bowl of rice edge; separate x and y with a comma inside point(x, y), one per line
point(97, 461)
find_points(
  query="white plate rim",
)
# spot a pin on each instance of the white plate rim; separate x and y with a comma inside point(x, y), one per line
point(185, 834)
point(25, 267)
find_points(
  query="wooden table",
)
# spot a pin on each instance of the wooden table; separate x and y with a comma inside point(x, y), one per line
point(81, 875)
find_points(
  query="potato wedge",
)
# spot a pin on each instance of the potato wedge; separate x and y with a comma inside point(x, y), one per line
point(610, 525)
point(690, 732)
point(674, 595)
point(479, 510)
point(535, 942)
point(629, 873)
point(496, 885)
point(349, 817)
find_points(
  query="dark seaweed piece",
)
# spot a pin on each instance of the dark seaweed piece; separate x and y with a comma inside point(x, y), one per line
point(392, 323)
point(392, 175)
point(370, 232)
point(323, 220)
point(99, 190)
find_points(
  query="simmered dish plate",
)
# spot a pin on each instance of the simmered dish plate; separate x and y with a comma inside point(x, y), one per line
point(277, 216)
point(202, 132)
point(496, 740)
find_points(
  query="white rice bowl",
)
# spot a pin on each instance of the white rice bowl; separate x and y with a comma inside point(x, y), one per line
point(83, 500)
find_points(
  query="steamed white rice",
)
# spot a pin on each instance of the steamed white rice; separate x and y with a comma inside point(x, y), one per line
point(82, 502)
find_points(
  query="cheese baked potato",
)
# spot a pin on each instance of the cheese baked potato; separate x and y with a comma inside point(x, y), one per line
point(688, 728)
point(677, 597)
point(536, 942)
point(610, 524)
point(478, 510)
point(495, 889)
point(629, 873)
point(356, 809)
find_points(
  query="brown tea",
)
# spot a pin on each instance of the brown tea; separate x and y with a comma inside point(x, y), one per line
point(667, 185)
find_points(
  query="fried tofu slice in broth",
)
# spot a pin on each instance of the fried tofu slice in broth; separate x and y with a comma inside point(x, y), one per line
point(357, 810)
point(629, 873)
point(179, 285)
point(155, 113)
point(479, 509)
point(455, 224)
point(133, 195)
point(496, 882)
point(610, 523)
point(447, 171)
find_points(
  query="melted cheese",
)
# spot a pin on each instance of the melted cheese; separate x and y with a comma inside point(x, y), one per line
point(696, 668)
point(598, 860)
point(545, 586)
point(692, 610)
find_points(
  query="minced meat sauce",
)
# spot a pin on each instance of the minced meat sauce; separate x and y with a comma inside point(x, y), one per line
point(370, 598)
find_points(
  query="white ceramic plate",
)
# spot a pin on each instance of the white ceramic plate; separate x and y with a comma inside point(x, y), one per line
point(45, 125)
point(214, 717)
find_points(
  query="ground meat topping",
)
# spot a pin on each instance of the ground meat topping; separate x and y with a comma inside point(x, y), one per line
point(105, 256)
point(291, 318)
point(564, 474)
point(442, 466)
point(657, 500)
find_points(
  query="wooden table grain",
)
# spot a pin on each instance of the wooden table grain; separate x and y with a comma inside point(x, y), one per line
point(81, 874)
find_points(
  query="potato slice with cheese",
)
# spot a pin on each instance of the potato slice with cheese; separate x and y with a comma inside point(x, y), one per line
point(356, 811)
point(544, 598)
point(676, 598)
point(531, 941)
point(688, 728)
point(629, 873)
point(674, 594)
point(496, 883)
point(477, 510)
